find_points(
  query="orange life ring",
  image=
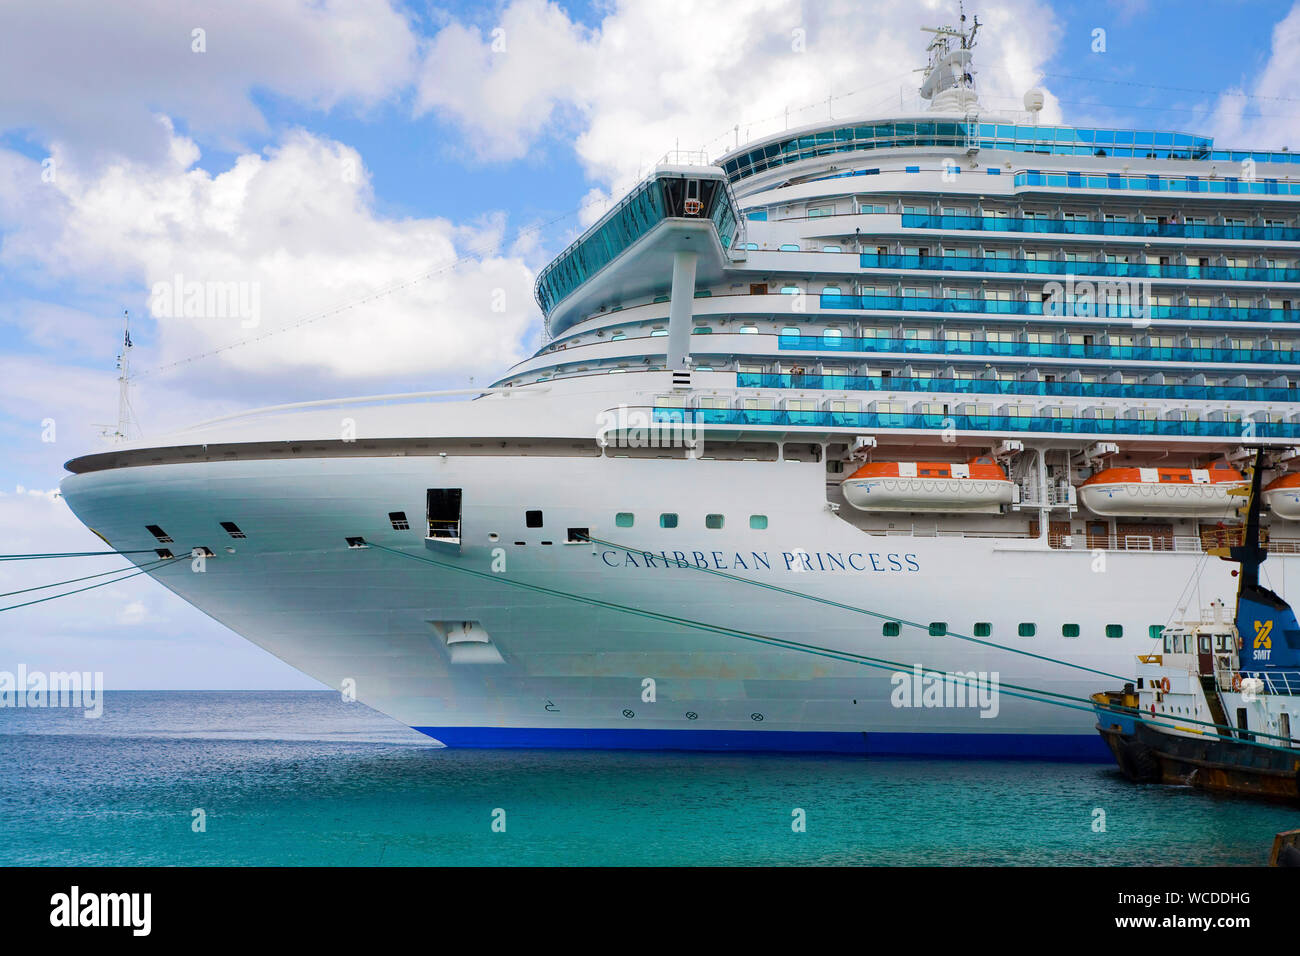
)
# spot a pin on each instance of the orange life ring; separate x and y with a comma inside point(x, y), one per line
point(1236, 682)
point(1164, 684)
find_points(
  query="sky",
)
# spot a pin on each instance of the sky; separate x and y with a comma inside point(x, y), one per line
point(381, 182)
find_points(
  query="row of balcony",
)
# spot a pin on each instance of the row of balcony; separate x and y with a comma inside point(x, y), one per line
point(1115, 310)
point(1149, 353)
point(1078, 267)
point(982, 386)
point(1228, 429)
point(1088, 227)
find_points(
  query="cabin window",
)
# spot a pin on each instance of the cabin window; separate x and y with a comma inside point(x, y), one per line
point(1069, 630)
point(1169, 645)
point(577, 536)
point(1115, 630)
point(938, 628)
point(164, 553)
point(983, 628)
point(1027, 630)
point(623, 519)
point(758, 522)
point(532, 519)
point(668, 520)
point(162, 536)
point(232, 529)
point(1154, 631)
point(398, 521)
point(713, 522)
point(890, 629)
point(654, 333)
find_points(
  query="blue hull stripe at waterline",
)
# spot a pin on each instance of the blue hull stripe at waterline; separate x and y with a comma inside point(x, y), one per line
point(1087, 747)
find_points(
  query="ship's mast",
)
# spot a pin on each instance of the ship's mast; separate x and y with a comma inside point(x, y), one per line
point(126, 424)
point(949, 81)
point(1250, 553)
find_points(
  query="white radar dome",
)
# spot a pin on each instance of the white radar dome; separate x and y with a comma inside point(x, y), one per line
point(1034, 100)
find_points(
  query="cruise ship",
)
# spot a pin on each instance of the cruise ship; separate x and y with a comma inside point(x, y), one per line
point(951, 390)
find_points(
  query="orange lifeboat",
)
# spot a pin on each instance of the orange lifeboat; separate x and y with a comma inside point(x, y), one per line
point(1176, 492)
point(1282, 495)
point(979, 485)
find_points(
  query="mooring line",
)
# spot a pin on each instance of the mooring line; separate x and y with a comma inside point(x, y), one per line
point(89, 587)
point(56, 584)
point(71, 554)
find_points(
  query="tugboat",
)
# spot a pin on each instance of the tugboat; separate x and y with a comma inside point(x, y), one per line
point(1216, 707)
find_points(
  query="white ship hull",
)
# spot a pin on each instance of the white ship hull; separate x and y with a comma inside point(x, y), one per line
point(570, 674)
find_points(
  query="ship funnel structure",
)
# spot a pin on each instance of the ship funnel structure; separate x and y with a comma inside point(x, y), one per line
point(949, 82)
point(1266, 624)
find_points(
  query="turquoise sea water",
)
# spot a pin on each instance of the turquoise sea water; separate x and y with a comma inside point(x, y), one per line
point(303, 778)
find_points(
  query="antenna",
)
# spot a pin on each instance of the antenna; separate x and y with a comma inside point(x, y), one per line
point(126, 424)
point(949, 81)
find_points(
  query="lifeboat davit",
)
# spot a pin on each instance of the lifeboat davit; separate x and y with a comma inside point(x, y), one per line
point(979, 485)
point(1282, 495)
point(1176, 492)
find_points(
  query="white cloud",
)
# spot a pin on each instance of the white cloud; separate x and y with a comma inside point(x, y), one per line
point(91, 75)
point(657, 73)
point(133, 614)
point(1259, 114)
point(296, 231)
point(504, 87)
